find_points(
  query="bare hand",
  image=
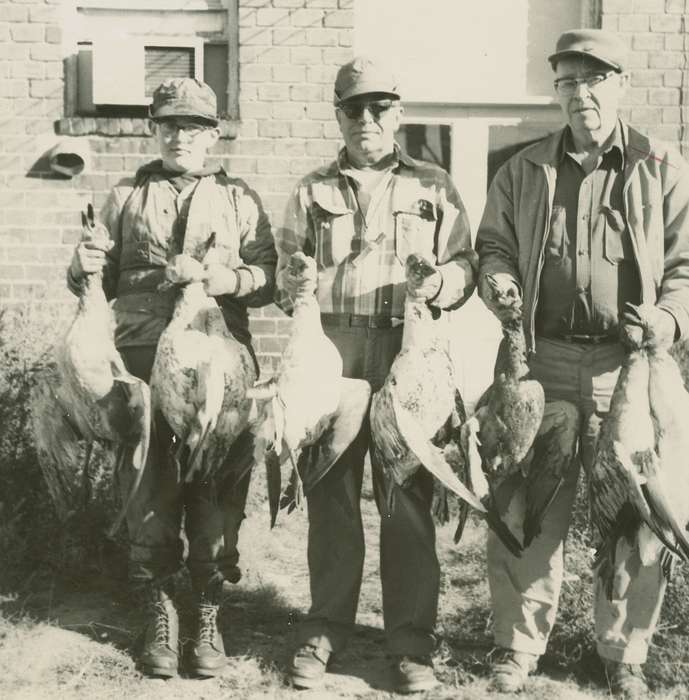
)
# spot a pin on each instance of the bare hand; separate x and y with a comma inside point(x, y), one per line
point(219, 279)
point(89, 257)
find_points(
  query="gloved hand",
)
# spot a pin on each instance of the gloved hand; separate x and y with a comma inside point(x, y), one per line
point(424, 287)
point(219, 279)
point(501, 294)
point(648, 326)
point(89, 257)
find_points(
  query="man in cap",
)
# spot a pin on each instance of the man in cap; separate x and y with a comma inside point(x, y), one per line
point(580, 224)
point(360, 217)
point(174, 205)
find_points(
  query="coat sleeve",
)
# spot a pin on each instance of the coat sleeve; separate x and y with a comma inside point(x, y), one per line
point(456, 259)
point(496, 240)
point(256, 249)
point(674, 291)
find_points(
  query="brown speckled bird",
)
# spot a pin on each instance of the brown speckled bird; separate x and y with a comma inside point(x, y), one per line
point(499, 436)
point(309, 413)
point(91, 395)
point(200, 374)
point(417, 413)
point(639, 480)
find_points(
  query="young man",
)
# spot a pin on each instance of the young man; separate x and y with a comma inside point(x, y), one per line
point(580, 223)
point(174, 201)
point(360, 217)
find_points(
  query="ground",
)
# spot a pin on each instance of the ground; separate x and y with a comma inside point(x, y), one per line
point(74, 638)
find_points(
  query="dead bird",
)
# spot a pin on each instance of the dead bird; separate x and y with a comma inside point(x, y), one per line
point(308, 413)
point(639, 481)
point(498, 438)
point(200, 374)
point(91, 395)
point(416, 415)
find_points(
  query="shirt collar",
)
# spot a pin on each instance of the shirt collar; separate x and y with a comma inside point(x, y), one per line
point(615, 150)
point(390, 162)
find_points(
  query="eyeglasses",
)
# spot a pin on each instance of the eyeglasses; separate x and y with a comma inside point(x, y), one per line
point(355, 110)
point(169, 129)
point(568, 86)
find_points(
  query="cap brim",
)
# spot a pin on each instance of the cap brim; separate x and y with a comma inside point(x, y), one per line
point(554, 58)
point(166, 112)
point(365, 89)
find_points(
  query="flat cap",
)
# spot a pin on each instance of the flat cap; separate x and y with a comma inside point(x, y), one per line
point(184, 97)
point(600, 44)
point(361, 76)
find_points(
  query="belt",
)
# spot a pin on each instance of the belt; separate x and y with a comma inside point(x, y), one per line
point(360, 321)
point(584, 339)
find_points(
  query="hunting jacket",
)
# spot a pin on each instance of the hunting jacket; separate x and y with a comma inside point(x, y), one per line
point(515, 226)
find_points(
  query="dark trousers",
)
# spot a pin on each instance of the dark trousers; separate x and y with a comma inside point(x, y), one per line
point(212, 511)
point(409, 567)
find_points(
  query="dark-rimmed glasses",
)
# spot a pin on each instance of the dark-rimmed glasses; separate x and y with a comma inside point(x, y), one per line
point(355, 110)
point(568, 86)
point(190, 129)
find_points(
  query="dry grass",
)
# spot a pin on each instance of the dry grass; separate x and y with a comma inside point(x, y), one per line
point(68, 629)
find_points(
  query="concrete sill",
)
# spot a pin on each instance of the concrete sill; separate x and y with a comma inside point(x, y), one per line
point(121, 126)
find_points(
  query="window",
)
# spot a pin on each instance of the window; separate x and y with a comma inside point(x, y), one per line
point(430, 142)
point(126, 48)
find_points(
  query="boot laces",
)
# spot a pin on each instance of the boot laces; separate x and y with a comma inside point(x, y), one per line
point(208, 615)
point(162, 623)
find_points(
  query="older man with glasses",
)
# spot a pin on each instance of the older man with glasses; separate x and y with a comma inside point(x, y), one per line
point(580, 224)
point(360, 217)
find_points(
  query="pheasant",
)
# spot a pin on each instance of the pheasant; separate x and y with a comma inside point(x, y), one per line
point(200, 374)
point(417, 413)
point(639, 479)
point(498, 438)
point(91, 395)
point(308, 412)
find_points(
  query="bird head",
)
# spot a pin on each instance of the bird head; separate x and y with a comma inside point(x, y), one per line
point(504, 296)
point(303, 269)
point(417, 269)
point(646, 326)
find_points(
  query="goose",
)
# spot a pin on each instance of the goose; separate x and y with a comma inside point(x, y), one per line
point(308, 413)
point(498, 438)
point(200, 373)
point(91, 395)
point(416, 415)
point(639, 480)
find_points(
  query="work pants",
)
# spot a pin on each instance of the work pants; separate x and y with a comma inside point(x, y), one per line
point(408, 563)
point(525, 591)
point(212, 509)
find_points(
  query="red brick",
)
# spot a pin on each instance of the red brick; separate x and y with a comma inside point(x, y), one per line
point(321, 74)
point(289, 74)
point(648, 42)
point(637, 59)
point(671, 134)
point(53, 35)
point(43, 14)
point(339, 18)
point(307, 55)
point(663, 96)
point(269, 166)
point(262, 54)
point(14, 88)
point(666, 23)
point(321, 148)
point(14, 13)
point(255, 37)
point(289, 37)
point(259, 326)
point(288, 110)
point(255, 72)
point(648, 78)
point(46, 88)
point(306, 129)
point(306, 93)
point(26, 32)
point(337, 56)
point(672, 115)
point(241, 164)
point(346, 37)
point(272, 17)
point(254, 110)
point(306, 18)
point(633, 23)
point(320, 110)
point(28, 69)
point(673, 78)
point(636, 96)
point(674, 42)
point(290, 147)
point(665, 59)
point(13, 52)
point(272, 92)
point(649, 6)
point(273, 129)
point(247, 17)
point(11, 272)
point(45, 52)
point(646, 115)
point(322, 37)
point(256, 147)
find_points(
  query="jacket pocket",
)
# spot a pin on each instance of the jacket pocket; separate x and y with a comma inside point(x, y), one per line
point(415, 228)
point(558, 240)
point(333, 232)
point(617, 245)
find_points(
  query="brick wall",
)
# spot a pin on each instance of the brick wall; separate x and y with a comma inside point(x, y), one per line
point(289, 53)
point(656, 33)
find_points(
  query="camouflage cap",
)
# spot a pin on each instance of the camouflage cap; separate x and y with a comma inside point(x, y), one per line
point(362, 76)
point(600, 44)
point(184, 97)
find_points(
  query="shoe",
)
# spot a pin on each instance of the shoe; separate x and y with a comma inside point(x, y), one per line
point(308, 666)
point(413, 674)
point(159, 655)
point(207, 656)
point(510, 669)
point(626, 680)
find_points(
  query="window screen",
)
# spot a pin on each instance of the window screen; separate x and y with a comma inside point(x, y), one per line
point(164, 62)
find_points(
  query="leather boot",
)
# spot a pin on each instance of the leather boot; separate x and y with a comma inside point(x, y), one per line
point(208, 652)
point(159, 656)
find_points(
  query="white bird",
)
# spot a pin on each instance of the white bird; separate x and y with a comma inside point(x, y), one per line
point(639, 480)
point(91, 395)
point(200, 373)
point(416, 415)
point(309, 413)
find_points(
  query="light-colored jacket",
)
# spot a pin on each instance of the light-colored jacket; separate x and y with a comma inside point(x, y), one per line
point(516, 221)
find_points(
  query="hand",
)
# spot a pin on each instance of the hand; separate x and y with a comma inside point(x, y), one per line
point(219, 279)
point(648, 326)
point(300, 276)
point(424, 287)
point(501, 294)
point(88, 258)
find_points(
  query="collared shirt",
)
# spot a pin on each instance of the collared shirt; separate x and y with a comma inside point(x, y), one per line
point(361, 243)
point(589, 271)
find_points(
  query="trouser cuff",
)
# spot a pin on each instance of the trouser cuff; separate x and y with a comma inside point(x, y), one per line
point(626, 655)
point(520, 643)
point(323, 634)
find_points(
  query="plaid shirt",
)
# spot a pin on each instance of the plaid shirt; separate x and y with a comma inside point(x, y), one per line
point(414, 209)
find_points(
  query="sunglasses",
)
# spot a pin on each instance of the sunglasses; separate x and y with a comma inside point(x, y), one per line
point(568, 86)
point(355, 110)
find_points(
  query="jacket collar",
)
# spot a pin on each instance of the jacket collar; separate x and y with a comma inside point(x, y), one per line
point(397, 157)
